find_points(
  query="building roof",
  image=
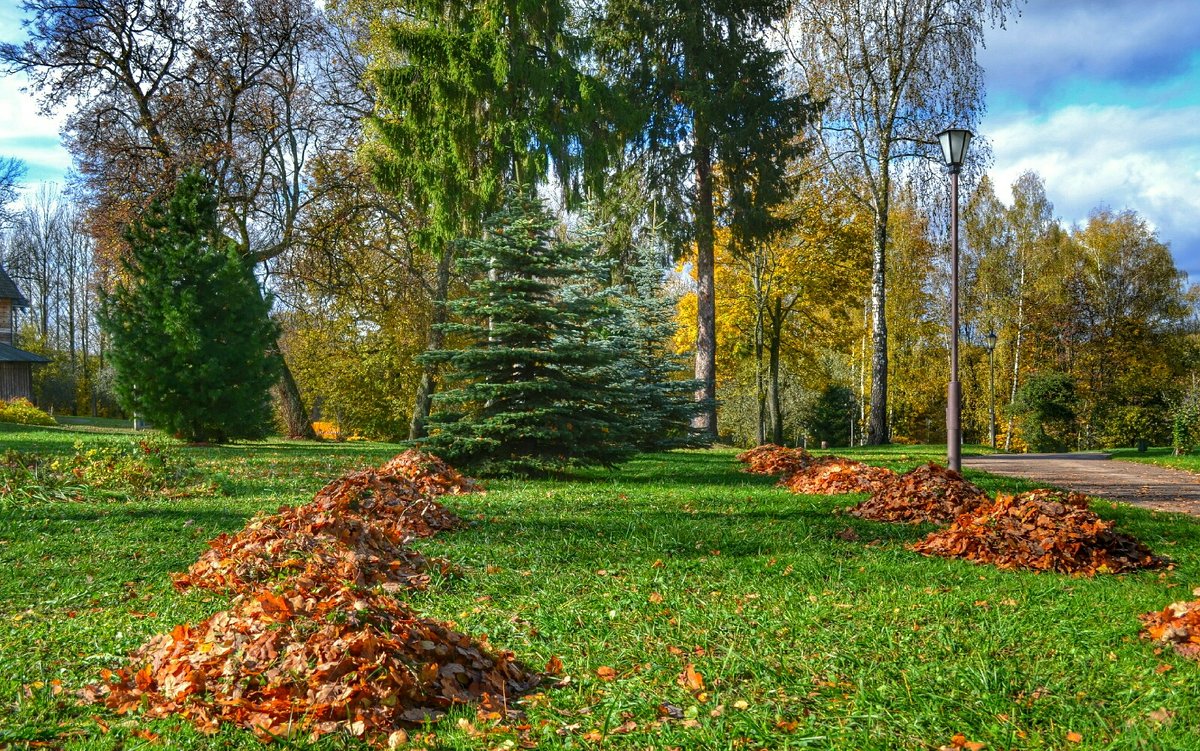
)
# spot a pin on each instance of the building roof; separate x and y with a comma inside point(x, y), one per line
point(12, 354)
point(8, 289)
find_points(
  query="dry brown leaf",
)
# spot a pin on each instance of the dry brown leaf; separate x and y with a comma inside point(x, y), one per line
point(691, 679)
point(1040, 531)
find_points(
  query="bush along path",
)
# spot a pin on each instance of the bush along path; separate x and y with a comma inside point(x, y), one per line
point(315, 641)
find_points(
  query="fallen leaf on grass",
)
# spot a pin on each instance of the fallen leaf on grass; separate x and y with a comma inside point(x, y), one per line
point(554, 666)
point(930, 493)
point(1162, 716)
point(1074, 737)
point(1041, 530)
point(605, 673)
point(691, 679)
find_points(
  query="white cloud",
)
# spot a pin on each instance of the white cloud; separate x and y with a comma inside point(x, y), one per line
point(1125, 158)
point(28, 135)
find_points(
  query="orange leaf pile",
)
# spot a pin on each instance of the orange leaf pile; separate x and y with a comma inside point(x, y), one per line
point(304, 662)
point(833, 475)
point(431, 475)
point(930, 493)
point(774, 460)
point(1043, 530)
point(306, 647)
point(1178, 624)
point(355, 530)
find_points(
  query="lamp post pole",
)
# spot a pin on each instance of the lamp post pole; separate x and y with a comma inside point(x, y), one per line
point(991, 338)
point(954, 143)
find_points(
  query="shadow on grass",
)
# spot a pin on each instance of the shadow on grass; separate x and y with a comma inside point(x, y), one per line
point(205, 518)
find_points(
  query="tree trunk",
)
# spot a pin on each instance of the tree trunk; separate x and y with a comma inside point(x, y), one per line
point(291, 406)
point(1016, 369)
point(435, 340)
point(706, 315)
point(877, 427)
point(760, 389)
point(773, 381)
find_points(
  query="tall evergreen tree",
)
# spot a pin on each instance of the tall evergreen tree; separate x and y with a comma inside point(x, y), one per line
point(473, 96)
point(188, 327)
point(537, 388)
point(660, 405)
point(704, 95)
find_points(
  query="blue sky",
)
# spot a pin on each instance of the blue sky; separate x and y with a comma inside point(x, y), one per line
point(1101, 97)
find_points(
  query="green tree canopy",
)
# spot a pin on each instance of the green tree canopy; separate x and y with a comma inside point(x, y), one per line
point(189, 329)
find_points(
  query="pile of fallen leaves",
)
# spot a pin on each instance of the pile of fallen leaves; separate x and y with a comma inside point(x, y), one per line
point(930, 493)
point(431, 475)
point(310, 645)
point(833, 475)
point(774, 460)
point(1178, 625)
point(1043, 530)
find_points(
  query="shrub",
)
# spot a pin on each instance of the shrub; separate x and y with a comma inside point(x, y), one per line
point(189, 330)
point(135, 468)
point(23, 412)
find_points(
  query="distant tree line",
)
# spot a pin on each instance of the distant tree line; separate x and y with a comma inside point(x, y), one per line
point(743, 160)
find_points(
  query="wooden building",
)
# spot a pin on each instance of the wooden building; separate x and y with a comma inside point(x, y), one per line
point(16, 365)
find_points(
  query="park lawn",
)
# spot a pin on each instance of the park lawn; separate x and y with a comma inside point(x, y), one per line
point(1163, 457)
point(803, 639)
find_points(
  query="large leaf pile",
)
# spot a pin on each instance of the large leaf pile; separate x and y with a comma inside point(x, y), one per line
point(833, 475)
point(930, 493)
point(774, 460)
point(309, 645)
point(1178, 625)
point(1042, 530)
point(431, 475)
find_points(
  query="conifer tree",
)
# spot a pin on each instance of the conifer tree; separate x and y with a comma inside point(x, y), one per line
point(660, 405)
point(188, 327)
point(704, 98)
point(472, 96)
point(537, 388)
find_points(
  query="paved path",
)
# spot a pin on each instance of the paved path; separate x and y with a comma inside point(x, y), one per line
point(1146, 485)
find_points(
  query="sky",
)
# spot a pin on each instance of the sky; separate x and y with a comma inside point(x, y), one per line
point(1100, 97)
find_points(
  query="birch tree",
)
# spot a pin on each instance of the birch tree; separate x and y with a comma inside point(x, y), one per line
point(891, 74)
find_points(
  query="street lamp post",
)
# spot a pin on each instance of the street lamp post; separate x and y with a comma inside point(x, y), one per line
point(991, 348)
point(954, 143)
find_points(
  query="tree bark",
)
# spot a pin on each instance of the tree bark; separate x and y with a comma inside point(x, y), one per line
point(877, 427)
point(706, 314)
point(424, 399)
point(776, 410)
point(1016, 360)
point(291, 406)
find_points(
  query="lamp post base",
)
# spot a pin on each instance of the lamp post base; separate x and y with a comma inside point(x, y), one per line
point(953, 426)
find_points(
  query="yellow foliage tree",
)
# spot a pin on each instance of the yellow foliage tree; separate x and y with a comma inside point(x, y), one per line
point(790, 298)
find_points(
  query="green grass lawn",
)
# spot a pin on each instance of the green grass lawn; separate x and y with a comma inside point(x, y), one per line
point(803, 639)
point(1163, 457)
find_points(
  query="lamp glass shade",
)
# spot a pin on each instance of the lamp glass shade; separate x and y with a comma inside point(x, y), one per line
point(991, 340)
point(954, 145)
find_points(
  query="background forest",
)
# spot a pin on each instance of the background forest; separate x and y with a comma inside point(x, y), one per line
point(357, 147)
